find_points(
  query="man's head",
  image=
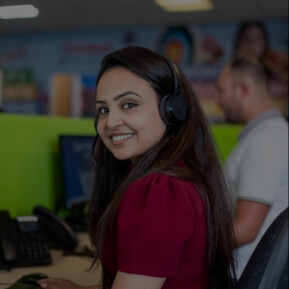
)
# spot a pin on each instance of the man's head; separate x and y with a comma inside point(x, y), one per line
point(243, 90)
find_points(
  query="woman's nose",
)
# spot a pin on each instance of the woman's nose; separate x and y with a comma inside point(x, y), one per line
point(113, 119)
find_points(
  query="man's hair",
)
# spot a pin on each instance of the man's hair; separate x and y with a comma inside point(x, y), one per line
point(252, 68)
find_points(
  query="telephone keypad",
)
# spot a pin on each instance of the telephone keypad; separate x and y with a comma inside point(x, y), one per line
point(33, 249)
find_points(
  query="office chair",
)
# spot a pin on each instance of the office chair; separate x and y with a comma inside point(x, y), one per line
point(268, 266)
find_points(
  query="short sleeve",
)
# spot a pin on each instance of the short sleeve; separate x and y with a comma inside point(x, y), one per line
point(153, 226)
point(262, 168)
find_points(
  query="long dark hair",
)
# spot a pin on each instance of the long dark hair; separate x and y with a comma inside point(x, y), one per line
point(191, 142)
point(243, 28)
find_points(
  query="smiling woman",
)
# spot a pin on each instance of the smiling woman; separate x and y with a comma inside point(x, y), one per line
point(160, 214)
point(129, 122)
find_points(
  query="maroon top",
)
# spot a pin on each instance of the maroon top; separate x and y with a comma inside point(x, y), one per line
point(160, 231)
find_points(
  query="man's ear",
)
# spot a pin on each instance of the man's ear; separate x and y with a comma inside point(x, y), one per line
point(242, 91)
point(238, 92)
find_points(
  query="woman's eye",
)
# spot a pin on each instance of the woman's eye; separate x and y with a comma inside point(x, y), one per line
point(102, 110)
point(129, 105)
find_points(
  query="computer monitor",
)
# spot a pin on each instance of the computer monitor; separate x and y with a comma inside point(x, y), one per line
point(77, 168)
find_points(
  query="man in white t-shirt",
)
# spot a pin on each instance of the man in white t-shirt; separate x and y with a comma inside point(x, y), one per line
point(257, 169)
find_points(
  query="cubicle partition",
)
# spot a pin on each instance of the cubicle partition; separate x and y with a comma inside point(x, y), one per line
point(30, 172)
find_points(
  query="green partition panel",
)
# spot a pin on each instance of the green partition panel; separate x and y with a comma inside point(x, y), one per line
point(226, 137)
point(30, 171)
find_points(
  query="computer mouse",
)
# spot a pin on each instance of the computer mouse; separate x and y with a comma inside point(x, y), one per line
point(32, 279)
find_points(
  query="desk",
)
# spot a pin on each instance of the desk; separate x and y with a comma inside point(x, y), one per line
point(73, 268)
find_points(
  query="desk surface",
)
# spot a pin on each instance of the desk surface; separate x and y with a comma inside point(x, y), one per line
point(73, 268)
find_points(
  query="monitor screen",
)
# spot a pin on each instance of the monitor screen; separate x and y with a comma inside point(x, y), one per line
point(77, 168)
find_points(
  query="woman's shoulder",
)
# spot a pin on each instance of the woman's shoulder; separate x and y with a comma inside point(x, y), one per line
point(163, 179)
point(161, 186)
point(164, 195)
point(155, 177)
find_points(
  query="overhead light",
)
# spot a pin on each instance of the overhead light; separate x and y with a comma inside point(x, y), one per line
point(18, 11)
point(184, 5)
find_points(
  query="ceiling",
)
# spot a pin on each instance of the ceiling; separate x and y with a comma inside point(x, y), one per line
point(74, 14)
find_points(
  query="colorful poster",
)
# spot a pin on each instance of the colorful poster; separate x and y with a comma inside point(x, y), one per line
point(199, 50)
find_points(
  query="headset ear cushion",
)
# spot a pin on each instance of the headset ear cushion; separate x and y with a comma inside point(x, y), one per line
point(173, 109)
point(163, 109)
point(179, 108)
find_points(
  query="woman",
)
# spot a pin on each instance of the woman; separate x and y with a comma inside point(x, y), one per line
point(160, 215)
point(252, 40)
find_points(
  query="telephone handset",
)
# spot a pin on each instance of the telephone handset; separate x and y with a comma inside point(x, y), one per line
point(22, 242)
point(26, 241)
point(8, 252)
point(59, 232)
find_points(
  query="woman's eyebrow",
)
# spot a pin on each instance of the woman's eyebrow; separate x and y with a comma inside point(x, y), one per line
point(100, 102)
point(124, 94)
point(118, 96)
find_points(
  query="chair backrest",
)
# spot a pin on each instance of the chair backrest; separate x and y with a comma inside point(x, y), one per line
point(266, 269)
point(283, 281)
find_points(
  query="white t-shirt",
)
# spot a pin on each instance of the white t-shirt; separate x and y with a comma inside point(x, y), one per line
point(257, 170)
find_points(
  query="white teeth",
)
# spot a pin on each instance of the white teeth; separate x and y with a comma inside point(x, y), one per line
point(122, 137)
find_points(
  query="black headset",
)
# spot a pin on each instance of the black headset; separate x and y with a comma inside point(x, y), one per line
point(173, 108)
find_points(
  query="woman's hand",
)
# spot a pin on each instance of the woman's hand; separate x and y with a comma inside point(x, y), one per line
point(132, 281)
point(56, 283)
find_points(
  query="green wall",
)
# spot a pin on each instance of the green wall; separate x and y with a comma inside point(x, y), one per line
point(29, 157)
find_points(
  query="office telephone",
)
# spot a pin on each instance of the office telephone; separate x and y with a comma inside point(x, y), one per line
point(26, 240)
point(60, 234)
point(22, 242)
